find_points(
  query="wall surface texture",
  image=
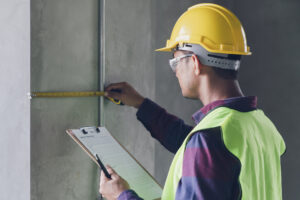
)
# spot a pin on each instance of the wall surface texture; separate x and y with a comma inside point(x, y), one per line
point(129, 57)
point(133, 30)
point(14, 104)
point(64, 57)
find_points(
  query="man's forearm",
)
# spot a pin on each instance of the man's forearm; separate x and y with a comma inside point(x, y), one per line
point(165, 127)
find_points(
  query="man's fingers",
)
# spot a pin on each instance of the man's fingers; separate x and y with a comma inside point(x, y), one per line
point(114, 95)
point(110, 169)
point(115, 176)
point(103, 178)
point(115, 86)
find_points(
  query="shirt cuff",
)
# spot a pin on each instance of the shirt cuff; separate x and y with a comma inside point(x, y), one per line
point(129, 195)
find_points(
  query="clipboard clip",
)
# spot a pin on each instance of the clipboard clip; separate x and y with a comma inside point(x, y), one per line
point(85, 130)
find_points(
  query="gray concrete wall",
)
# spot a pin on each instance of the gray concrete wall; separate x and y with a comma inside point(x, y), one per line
point(64, 57)
point(134, 29)
point(129, 57)
point(14, 104)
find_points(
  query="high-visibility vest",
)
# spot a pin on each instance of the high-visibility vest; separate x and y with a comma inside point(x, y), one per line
point(253, 139)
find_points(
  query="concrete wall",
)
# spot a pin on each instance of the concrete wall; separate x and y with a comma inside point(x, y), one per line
point(64, 57)
point(129, 57)
point(14, 104)
point(134, 29)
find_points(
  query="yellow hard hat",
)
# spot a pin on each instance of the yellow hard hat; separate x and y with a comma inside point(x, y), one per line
point(213, 27)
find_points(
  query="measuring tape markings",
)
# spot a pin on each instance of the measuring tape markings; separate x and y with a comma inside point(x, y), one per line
point(71, 94)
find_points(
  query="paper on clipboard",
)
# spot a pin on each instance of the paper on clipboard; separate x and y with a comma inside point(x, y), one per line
point(99, 141)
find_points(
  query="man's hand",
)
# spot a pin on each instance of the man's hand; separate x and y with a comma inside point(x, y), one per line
point(112, 188)
point(126, 93)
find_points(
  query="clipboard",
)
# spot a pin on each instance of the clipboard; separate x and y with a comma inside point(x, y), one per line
point(97, 140)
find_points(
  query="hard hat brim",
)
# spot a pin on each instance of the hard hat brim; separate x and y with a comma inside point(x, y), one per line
point(165, 49)
point(170, 48)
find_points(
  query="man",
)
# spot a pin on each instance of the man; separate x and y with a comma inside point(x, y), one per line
point(234, 150)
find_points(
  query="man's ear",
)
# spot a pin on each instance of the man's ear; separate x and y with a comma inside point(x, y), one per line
point(197, 65)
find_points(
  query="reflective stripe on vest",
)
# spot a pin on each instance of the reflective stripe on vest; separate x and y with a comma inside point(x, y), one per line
point(254, 140)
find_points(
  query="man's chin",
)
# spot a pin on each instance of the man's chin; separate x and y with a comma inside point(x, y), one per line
point(188, 96)
point(192, 98)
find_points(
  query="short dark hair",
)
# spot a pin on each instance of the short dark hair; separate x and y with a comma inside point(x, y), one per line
point(226, 73)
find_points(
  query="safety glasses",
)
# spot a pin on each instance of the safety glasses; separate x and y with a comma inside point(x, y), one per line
point(174, 61)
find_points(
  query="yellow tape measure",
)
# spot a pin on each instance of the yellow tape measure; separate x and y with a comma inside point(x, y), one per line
point(71, 94)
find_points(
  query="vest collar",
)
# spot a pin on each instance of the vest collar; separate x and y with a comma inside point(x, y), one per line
point(242, 104)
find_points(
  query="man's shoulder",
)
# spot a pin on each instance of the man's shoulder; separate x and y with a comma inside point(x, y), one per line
point(204, 138)
point(207, 147)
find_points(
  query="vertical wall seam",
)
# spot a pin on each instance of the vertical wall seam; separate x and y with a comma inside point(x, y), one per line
point(101, 59)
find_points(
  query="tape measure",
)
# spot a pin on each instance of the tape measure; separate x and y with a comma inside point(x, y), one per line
point(71, 94)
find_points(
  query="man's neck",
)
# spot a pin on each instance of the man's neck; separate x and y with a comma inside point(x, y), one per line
point(218, 90)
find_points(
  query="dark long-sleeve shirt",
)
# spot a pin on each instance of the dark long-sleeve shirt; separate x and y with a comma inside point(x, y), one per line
point(209, 170)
